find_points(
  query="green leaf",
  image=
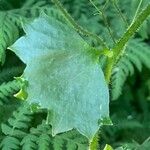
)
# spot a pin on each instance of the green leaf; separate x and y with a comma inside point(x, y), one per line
point(9, 32)
point(108, 147)
point(64, 76)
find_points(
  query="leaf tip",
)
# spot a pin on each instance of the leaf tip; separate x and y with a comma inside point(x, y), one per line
point(108, 147)
point(22, 94)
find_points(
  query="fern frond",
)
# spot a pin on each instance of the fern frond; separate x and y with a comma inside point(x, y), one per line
point(33, 3)
point(10, 143)
point(4, 5)
point(8, 74)
point(137, 54)
point(44, 142)
point(7, 90)
point(42, 128)
point(29, 142)
point(27, 13)
point(38, 138)
point(41, 138)
point(11, 22)
point(19, 123)
point(8, 34)
point(70, 141)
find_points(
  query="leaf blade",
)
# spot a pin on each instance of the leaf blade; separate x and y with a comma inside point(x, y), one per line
point(64, 76)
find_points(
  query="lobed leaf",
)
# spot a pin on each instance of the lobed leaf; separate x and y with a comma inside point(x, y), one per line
point(64, 76)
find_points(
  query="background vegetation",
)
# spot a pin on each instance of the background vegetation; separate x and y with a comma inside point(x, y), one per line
point(129, 88)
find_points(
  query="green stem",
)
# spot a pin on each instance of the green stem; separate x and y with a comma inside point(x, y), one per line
point(94, 144)
point(137, 10)
point(78, 27)
point(119, 47)
point(108, 69)
point(101, 12)
point(120, 13)
point(105, 4)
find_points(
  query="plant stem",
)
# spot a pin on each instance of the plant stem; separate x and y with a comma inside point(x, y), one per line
point(94, 144)
point(101, 12)
point(78, 27)
point(120, 13)
point(137, 10)
point(108, 69)
point(119, 47)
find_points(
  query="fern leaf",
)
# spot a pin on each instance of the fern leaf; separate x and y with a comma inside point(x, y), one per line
point(38, 138)
point(136, 62)
point(9, 143)
point(42, 128)
point(29, 142)
point(137, 54)
point(70, 141)
point(142, 51)
point(19, 123)
point(7, 90)
point(33, 3)
point(4, 5)
point(44, 142)
point(8, 34)
point(8, 74)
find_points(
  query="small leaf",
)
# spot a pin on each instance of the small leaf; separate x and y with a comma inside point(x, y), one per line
point(63, 76)
point(21, 95)
point(108, 147)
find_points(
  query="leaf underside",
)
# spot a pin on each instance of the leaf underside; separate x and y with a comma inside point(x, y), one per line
point(64, 76)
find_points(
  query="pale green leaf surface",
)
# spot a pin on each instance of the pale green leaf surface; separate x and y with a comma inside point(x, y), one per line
point(64, 76)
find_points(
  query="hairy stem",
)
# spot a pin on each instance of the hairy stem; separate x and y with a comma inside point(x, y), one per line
point(137, 10)
point(119, 12)
point(118, 49)
point(101, 12)
point(78, 27)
